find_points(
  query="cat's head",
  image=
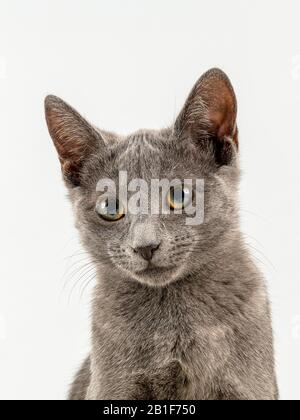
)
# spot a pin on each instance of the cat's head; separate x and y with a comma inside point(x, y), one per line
point(154, 249)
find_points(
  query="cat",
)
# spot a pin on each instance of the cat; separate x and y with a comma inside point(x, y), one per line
point(180, 312)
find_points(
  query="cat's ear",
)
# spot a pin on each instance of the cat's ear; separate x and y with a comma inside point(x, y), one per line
point(209, 114)
point(74, 138)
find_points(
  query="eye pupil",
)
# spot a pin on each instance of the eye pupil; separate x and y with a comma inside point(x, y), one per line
point(178, 197)
point(110, 209)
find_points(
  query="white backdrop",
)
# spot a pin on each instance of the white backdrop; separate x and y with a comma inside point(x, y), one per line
point(127, 64)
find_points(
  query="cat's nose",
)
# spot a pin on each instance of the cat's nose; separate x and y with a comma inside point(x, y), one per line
point(147, 252)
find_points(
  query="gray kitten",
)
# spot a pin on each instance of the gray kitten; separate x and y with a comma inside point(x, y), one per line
point(179, 311)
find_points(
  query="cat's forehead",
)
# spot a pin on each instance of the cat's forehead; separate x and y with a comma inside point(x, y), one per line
point(142, 154)
point(149, 154)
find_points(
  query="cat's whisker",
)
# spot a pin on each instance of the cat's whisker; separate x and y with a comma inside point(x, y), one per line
point(69, 276)
point(252, 213)
point(87, 282)
point(75, 254)
point(258, 250)
point(77, 282)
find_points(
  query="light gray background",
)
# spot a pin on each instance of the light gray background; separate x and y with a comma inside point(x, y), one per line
point(127, 64)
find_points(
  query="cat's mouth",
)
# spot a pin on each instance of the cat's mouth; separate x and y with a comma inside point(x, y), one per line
point(156, 276)
point(154, 271)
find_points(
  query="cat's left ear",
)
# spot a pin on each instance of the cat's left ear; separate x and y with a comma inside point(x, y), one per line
point(74, 138)
point(209, 114)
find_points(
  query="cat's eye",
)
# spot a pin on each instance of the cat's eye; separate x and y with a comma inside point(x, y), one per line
point(179, 197)
point(110, 209)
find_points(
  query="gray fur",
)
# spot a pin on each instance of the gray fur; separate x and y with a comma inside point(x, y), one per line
point(197, 327)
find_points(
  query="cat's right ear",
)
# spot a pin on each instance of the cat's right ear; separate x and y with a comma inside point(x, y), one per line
point(74, 138)
point(209, 115)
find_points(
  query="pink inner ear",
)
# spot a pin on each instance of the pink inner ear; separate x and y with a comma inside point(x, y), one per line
point(210, 108)
point(223, 123)
point(222, 114)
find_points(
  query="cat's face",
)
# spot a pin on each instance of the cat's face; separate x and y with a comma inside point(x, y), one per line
point(159, 248)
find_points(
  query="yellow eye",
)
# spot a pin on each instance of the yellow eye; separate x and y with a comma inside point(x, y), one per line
point(179, 197)
point(110, 209)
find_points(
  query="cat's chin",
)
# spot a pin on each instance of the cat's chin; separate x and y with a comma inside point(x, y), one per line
point(156, 276)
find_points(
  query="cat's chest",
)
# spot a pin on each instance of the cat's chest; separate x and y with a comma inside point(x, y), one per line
point(161, 333)
point(173, 339)
point(194, 346)
point(186, 356)
point(181, 335)
point(152, 337)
